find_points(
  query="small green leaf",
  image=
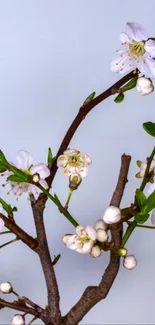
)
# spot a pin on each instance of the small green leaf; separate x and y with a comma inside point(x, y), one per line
point(50, 158)
point(149, 127)
point(7, 207)
point(150, 203)
point(138, 162)
point(2, 157)
point(141, 217)
point(20, 174)
point(131, 84)
point(89, 98)
point(140, 198)
point(14, 178)
point(118, 99)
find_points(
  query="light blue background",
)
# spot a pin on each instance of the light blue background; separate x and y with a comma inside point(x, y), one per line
point(53, 54)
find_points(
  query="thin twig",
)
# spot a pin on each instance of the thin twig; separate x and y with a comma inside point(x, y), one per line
point(93, 294)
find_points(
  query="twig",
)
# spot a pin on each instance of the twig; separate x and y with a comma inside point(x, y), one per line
point(93, 294)
point(17, 306)
point(46, 262)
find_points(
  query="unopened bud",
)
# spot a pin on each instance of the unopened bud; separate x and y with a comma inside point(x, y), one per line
point(100, 224)
point(138, 162)
point(96, 251)
point(6, 287)
point(89, 98)
point(18, 320)
point(130, 262)
point(144, 86)
point(74, 181)
point(36, 178)
point(122, 252)
point(102, 235)
point(112, 215)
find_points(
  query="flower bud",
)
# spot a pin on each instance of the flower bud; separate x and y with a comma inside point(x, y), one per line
point(130, 262)
point(101, 235)
point(18, 320)
point(144, 86)
point(100, 224)
point(112, 215)
point(122, 252)
point(96, 251)
point(153, 217)
point(6, 287)
point(74, 181)
point(65, 238)
point(36, 178)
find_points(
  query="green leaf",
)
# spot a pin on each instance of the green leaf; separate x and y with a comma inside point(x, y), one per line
point(150, 203)
point(50, 158)
point(20, 174)
point(7, 207)
point(131, 84)
point(2, 157)
point(118, 99)
point(89, 98)
point(140, 198)
point(14, 178)
point(149, 127)
point(141, 217)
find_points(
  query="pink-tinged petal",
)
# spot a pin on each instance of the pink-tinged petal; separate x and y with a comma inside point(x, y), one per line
point(32, 189)
point(62, 161)
point(119, 62)
point(24, 160)
point(43, 183)
point(87, 247)
point(80, 250)
point(86, 158)
point(70, 152)
point(150, 47)
point(83, 171)
point(128, 66)
point(18, 189)
point(90, 230)
point(147, 66)
point(136, 32)
point(80, 230)
point(124, 38)
point(1, 225)
point(40, 169)
point(153, 217)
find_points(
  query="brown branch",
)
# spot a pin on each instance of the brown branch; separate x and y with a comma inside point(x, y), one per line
point(83, 111)
point(17, 306)
point(46, 262)
point(19, 232)
point(93, 294)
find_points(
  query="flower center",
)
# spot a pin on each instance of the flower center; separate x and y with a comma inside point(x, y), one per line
point(136, 49)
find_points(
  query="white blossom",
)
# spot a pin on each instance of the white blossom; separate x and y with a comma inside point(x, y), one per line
point(6, 287)
point(74, 161)
point(144, 86)
point(142, 165)
point(83, 241)
point(96, 251)
point(102, 235)
point(40, 172)
point(150, 188)
point(112, 215)
point(18, 320)
point(100, 224)
point(136, 52)
point(129, 262)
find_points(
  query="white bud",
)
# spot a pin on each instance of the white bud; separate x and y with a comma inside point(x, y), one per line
point(100, 224)
point(96, 251)
point(36, 178)
point(18, 320)
point(144, 86)
point(130, 262)
point(102, 235)
point(6, 287)
point(65, 238)
point(112, 215)
point(153, 217)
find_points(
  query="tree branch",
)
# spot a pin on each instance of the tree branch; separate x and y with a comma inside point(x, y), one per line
point(46, 262)
point(19, 232)
point(93, 294)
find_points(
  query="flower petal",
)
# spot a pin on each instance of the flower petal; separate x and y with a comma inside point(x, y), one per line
point(87, 247)
point(1, 225)
point(1, 208)
point(124, 38)
point(90, 230)
point(40, 169)
point(73, 242)
point(62, 160)
point(150, 47)
point(80, 230)
point(83, 171)
point(150, 188)
point(118, 64)
point(24, 160)
point(70, 152)
point(136, 32)
point(86, 158)
point(153, 217)
point(147, 66)
point(43, 183)
point(69, 170)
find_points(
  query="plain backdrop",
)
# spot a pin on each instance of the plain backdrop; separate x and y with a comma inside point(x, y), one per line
point(53, 54)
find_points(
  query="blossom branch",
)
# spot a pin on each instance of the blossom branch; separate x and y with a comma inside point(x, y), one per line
point(93, 294)
point(19, 232)
point(17, 306)
point(46, 262)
